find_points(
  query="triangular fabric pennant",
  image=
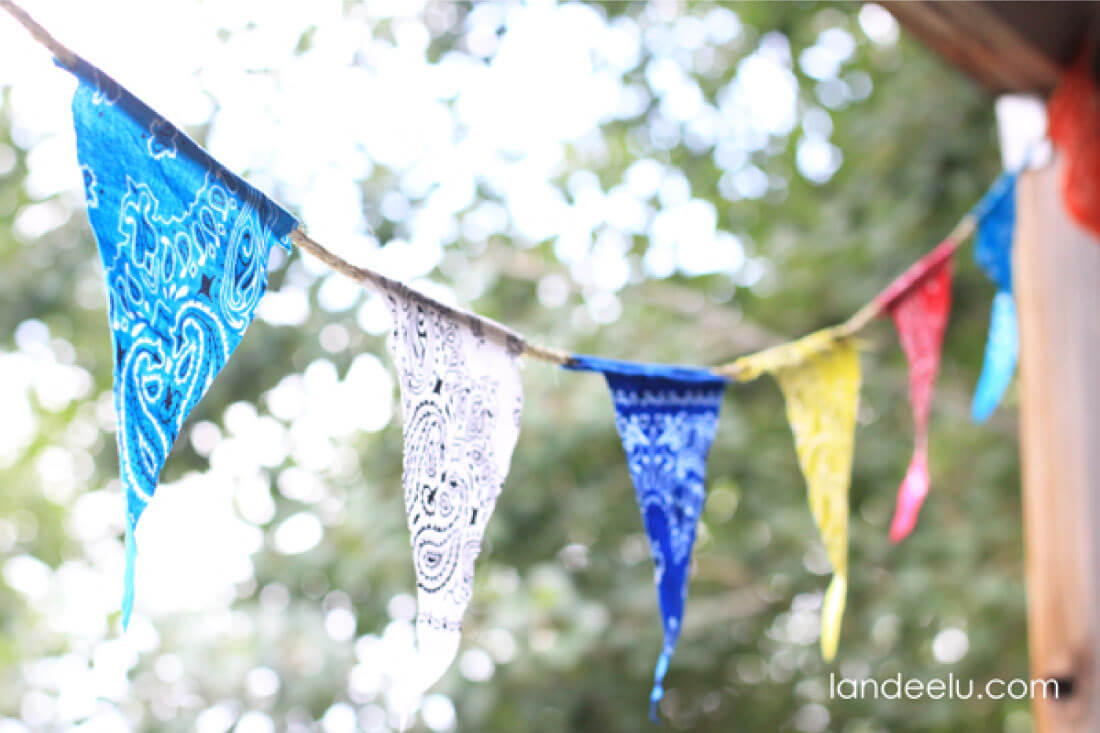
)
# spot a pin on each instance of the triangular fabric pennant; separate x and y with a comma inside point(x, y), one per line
point(184, 244)
point(915, 276)
point(461, 399)
point(784, 356)
point(819, 377)
point(996, 215)
point(666, 417)
point(1073, 116)
point(1002, 349)
point(919, 310)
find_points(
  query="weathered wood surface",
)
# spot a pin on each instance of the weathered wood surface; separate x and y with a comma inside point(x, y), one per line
point(1007, 46)
point(1057, 285)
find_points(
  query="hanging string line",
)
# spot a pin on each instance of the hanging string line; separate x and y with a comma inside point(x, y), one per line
point(383, 285)
point(491, 329)
point(40, 34)
point(737, 369)
point(874, 309)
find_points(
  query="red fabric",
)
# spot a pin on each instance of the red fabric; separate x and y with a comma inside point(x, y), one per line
point(1073, 117)
point(920, 313)
point(904, 283)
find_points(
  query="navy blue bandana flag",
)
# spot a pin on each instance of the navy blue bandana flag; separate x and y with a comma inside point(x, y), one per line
point(996, 214)
point(184, 245)
point(666, 417)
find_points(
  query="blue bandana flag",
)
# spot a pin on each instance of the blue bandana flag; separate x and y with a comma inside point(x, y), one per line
point(184, 245)
point(666, 417)
point(996, 214)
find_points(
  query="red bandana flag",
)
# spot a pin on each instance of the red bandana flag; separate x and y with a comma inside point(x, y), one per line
point(919, 301)
point(1073, 120)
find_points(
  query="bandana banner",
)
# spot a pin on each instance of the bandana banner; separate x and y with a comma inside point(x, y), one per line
point(996, 214)
point(184, 245)
point(993, 252)
point(819, 378)
point(666, 418)
point(1001, 352)
point(1073, 116)
point(920, 313)
point(461, 400)
point(915, 276)
point(784, 356)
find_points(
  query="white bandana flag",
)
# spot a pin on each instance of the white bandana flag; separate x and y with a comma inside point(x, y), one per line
point(461, 398)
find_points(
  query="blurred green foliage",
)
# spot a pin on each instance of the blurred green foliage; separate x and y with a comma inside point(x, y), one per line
point(565, 571)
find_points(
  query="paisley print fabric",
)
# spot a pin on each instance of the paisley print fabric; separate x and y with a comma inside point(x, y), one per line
point(461, 397)
point(666, 417)
point(184, 245)
point(993, 252)
point(819, 377)
point(920, 316)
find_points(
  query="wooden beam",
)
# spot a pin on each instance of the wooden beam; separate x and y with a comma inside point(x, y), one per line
point(1057, 285)
point(1006, 46)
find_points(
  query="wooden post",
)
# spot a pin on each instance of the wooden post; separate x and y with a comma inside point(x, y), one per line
point(1057, 285)
point(1022, 47)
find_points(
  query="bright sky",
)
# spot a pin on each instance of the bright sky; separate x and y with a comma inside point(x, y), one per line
point(308, 128)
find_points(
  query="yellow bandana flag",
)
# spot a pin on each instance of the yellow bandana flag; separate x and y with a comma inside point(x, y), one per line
point(819, 377)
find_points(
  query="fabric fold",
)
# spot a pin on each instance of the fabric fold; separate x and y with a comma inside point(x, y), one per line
point(461, 400)
point(919, 302)
point(666, 417)
point(819, 377)
point(184, 245)
point(996, 214)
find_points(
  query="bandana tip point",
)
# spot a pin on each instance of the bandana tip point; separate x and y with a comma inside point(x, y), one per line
point(658, 686)
point(128, 579)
